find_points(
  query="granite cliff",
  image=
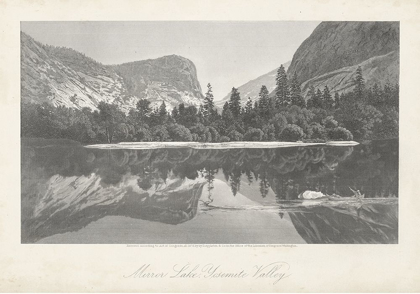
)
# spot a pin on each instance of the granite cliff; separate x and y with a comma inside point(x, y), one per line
point(331, 54)
point(65, 77)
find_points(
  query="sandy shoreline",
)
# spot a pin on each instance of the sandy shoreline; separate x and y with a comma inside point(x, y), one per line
point(225, 145)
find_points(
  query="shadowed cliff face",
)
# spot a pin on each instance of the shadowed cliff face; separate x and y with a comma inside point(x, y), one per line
point(334, 45)
point(65, 77)
point(331, 54)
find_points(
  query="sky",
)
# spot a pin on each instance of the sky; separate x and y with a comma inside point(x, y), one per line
point(226, 54)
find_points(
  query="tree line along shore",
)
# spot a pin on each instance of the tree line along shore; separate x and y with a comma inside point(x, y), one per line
point(285, 115)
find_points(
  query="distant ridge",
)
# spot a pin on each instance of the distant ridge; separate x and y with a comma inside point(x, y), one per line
point(252, 88)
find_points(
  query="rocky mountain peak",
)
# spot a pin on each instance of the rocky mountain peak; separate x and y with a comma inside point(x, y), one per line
point(65, 77)
point(334, 45)
point(171, 78)
point(332, 53)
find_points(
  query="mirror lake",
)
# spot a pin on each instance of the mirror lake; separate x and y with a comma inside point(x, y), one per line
point(74, 194)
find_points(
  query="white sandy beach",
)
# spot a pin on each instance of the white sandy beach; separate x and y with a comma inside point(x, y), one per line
point(225, 145)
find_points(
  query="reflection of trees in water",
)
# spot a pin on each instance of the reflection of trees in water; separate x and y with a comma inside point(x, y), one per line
point(264, 185)
point(373, 168)
point(209, 174)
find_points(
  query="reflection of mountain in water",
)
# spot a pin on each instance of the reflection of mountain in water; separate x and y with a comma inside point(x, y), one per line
point(70, 203)
point(66, 187)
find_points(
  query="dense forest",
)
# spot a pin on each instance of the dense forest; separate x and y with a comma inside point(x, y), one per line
point(363, 113)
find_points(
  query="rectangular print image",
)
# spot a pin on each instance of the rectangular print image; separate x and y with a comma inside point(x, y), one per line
point(209, 132)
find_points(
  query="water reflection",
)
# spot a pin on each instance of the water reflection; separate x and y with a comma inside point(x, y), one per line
point(375, 222)
point(67, 187)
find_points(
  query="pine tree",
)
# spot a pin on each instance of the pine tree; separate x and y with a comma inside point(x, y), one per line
point(235, 103)
point(227, 116)
point(143, 109)
point(208, 103)
point(282, 88)
point(200, 114)
point(317, 100)
point(295, 92)
point(311, 92)
point(264, 186)
point(264, 102)
point(310, 96)
point(162, 110)
point(327, 98)
point(225, 107)
point(256, 105)
point(248, 106)
point(376, 96)
point(360, 84)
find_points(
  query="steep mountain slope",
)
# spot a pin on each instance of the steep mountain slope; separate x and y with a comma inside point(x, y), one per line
point(334, 45)
point(379, 69)
point(331, 54)
point(253, 87)
point(63, 76)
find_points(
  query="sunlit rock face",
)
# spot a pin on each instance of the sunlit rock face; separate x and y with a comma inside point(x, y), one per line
point(65, 77)
point(170, 79)
point(332, 53)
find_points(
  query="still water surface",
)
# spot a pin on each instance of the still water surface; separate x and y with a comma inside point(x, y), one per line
point(72, 194)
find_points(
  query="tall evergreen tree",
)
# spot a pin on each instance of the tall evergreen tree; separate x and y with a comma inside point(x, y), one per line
point(376, 96)
point(310, 96)
point(227, 115)
point(208, 103)
point(264, 186)
point(174, 112)
point(264, 102)
point(295, 92)
point(360, 84)
point(143, 109)
point(200, 114)
point(327, 99)
point(235, 103)
point(317, 100)
point(282, 88)
point(256, 105)
point(248, 106)
point(162, 110)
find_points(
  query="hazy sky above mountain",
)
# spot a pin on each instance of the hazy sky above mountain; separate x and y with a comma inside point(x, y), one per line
point(226, 54)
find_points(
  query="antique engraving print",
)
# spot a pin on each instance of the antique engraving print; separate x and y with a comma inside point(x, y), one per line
point(209, 132)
